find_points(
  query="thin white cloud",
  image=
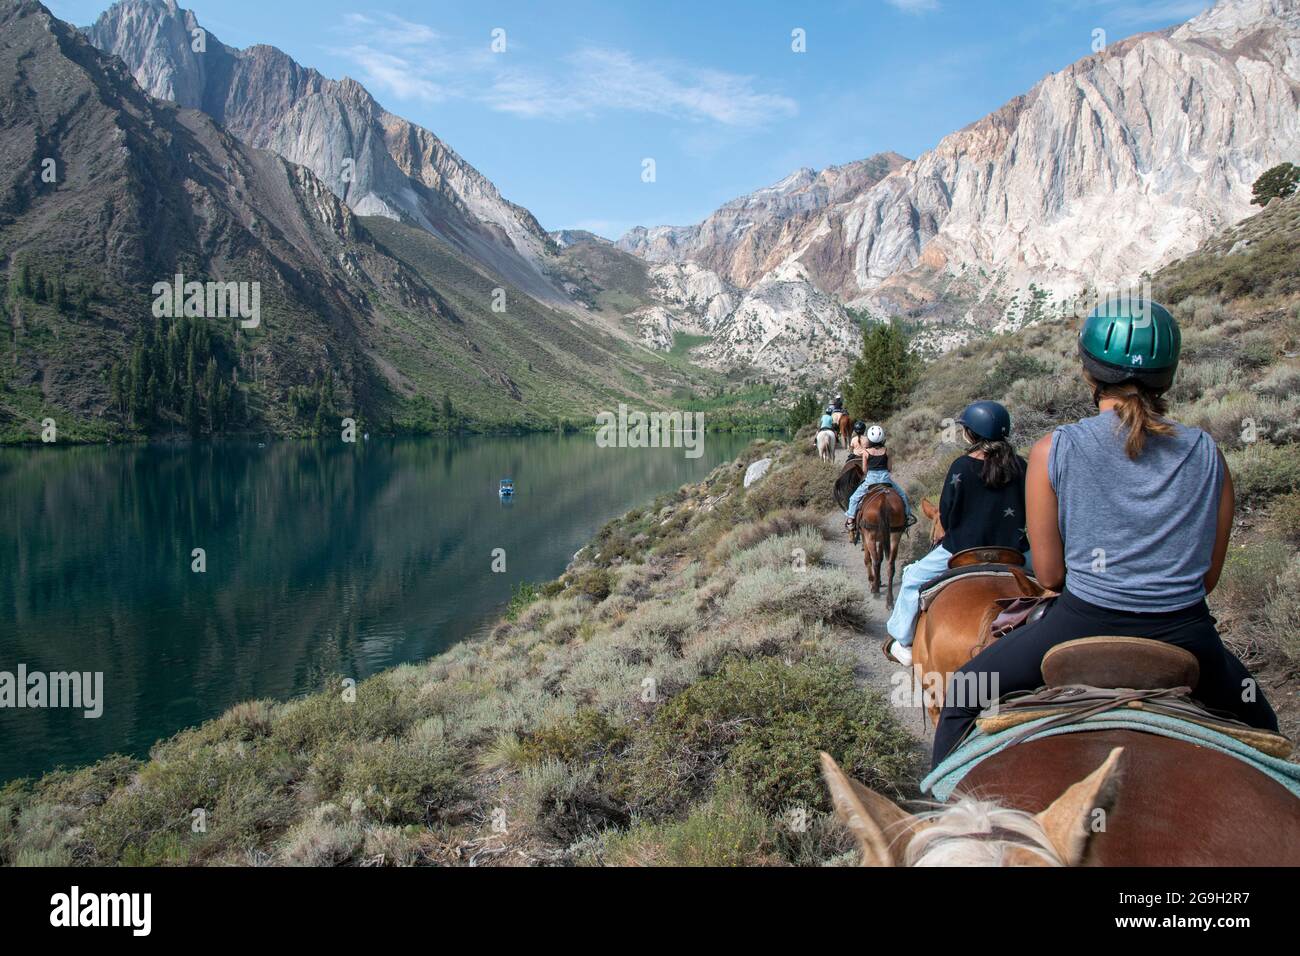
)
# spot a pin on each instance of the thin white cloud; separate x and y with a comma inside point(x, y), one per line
point(596, 80)
point(388, 72)
point(914, 6)
point(412, 61)
point(387, 29)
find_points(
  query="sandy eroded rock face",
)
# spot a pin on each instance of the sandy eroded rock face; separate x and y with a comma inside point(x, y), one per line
point(1107, 169)
point(1103, 171)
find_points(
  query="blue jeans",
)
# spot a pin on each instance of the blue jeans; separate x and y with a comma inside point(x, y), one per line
point(875, 478)
point(902, 622)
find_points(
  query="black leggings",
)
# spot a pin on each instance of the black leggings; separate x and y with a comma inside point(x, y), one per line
point(1017, 660)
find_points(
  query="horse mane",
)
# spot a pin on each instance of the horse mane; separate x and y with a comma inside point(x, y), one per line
point(974, 832)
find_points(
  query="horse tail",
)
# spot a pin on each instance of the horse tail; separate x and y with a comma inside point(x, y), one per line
point(883, 527)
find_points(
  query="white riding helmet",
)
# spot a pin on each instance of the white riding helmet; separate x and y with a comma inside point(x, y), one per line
point(875, 434)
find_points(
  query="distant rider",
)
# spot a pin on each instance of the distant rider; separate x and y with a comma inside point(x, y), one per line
point(982, 506)
point(828, 420)
point(875, 471)
point(858, 443)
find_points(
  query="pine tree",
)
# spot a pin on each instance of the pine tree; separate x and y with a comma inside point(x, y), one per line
point(805, 409)
point(1277, 183)
point(883, 375)
point(191, 413)
point(138, 384)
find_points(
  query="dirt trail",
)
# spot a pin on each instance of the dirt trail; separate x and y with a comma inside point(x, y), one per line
point(874, 670)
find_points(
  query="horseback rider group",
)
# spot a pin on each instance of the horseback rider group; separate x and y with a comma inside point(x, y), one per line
point(1128, 514)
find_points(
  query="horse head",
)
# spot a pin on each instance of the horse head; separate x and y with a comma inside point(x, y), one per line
point(930, 511)
point(973, 832)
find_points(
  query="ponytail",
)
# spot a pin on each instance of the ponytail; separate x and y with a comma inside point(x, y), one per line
point(1141, 411)
point(1001, 464)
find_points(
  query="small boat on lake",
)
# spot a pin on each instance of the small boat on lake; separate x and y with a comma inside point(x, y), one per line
point(507, 489)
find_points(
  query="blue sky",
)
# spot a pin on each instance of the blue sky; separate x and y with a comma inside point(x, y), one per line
point(711, 89)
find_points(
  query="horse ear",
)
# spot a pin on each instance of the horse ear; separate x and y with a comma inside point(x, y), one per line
point(1068, 820)
point(928, 509)
point(869, 815)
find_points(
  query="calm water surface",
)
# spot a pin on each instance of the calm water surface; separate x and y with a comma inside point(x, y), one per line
point(321, 558)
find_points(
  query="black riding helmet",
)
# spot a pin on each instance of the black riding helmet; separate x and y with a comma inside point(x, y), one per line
point(859, 428)
point(988, 420)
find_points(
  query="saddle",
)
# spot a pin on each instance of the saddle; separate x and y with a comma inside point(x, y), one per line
point(1093, 675)
point(972, 556)
point(934, 587)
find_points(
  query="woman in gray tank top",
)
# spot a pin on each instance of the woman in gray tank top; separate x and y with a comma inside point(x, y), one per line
point(1129, 515)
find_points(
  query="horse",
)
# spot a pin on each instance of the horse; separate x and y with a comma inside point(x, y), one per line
point(881, 519)
point(844, 429)
point(952, 629)
point(849, 478)
point(825, 444)
point(1039, 803)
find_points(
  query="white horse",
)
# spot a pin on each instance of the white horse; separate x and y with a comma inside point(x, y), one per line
point(826, 444)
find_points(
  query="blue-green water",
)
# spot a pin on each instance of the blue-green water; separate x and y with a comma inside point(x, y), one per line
point(321, 558)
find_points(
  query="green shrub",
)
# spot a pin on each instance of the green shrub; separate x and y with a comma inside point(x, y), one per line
point(401, 781)
point(595, 584)
point(585, 736)
point(87, 786)
point(780, 551)
point(803, 482)
point(1011, 368)
point(325, 838)
point(1282, 612)
point(1249, 573)
point(1262, 471)
point(759, 724)
point(379, 710)
point(721, 832)
point(1285, 515)
point(245, 792)
point(562, 802)
point(747, 535)
point(830, 595)
point(525, 593)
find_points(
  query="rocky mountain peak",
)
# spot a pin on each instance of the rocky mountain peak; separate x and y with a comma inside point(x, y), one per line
point(379, 163)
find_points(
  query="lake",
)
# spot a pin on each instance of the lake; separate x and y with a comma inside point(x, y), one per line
point(321, 558)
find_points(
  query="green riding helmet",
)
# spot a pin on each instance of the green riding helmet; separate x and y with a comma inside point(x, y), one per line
point(1131, 340)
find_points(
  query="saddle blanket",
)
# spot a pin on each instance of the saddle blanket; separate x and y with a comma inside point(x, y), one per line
point(979, 746)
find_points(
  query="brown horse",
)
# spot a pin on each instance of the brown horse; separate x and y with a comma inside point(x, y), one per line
point(882, 519)
point(952, 629)
point(1096, 798)
point(845, 429)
